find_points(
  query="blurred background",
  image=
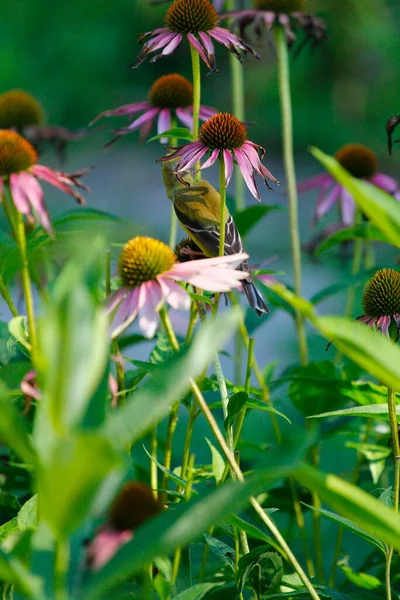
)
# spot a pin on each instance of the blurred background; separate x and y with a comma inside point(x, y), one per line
point(73, 57)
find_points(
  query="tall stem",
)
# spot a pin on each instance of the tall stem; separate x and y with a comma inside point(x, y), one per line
point(153, 464)
point(5, 293)
point(222, 214)
point(287, 130)
point(61, 570)
point(396, 487)
point(119, 364)
point(196, 90)
point(173, 228)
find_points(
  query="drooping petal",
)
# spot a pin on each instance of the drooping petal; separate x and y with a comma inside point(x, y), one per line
point(194, 42)
point(217, 274)
point(210, 161)
point(126, 109)
point(367, 320)
point(185, 117)
point(106, 543)
point(228, 161)
point(327, 201)
point(34, 193)
point(60, 180)
point(209, 47)
point(185, 164)
point(314, 182)
point(19, 196)
point(348, 207)
point(175, 295)
point(170, 47)
point(247, 172)
point(206, 112)
point(115, 298)
point(144, 118)
point(383, 323)
point(164, 123)
point(126, 313)
point(387, 183)
point(151, 298)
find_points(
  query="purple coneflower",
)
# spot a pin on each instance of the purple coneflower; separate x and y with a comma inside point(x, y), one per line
point(148, 270)
point(381, 303)
point(134, 505)
point(18, 168)
point(198, 21)
point(290, 14)
point(360, 162)
point(225, 136)
point(169, 96)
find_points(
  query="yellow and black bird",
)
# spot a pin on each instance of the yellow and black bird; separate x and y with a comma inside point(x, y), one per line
point(197, 207)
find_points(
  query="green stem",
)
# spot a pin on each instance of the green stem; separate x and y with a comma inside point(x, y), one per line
point(5, 292)
point(119, 366)
point(287, 127)
point(396, 487)
point(298, 512)
point(188, 439)
point(61, 570)
point(242, 414)
point(196, 90)
point(153, 464)
point(222, 214)
point(316, 502)
point(369, 260)
point(173, 228)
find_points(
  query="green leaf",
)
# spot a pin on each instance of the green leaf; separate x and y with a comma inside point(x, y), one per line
point(173, 476)
point(222, 550)
point(252, 529)
point(374, 517)
point(197, 592)
point(8, 529)
point(179, 133)
point(373, 411)
point(362, 580)
point(27, 516)
point(350, 525)
point(13, 571)
point(17, 328)
point(169, 382)
point(249, 217)
point(260, 569)
point(304, 306)
point(380, 207)
point(13, 430)
point(360, 231)
point(235, 404)
point(314, 388)
point(218, 463)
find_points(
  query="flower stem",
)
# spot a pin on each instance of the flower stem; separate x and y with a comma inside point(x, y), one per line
point(287, 127)
point(61, 570)
point(153, 464)
point(119, 364)
point(396, 487)
point(173, 228)
point(5, 292)
point(196, 90)
point(222, 214)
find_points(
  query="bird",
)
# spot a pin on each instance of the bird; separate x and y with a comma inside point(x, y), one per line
point(197, 207)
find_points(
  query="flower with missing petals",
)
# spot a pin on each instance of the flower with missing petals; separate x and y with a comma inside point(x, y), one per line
point(197, 20)
point(361, 163)
point(289, 14)
point(149, 273)
point(170, 96)
point(134, 505)
point(225, 137)
point(19, 171)
point(381, 303)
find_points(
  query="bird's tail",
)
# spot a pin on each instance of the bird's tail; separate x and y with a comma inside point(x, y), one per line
point(254, 298)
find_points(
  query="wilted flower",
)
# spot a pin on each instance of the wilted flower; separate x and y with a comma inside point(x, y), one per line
point(198, 21)
point(289, 14)
point(18, 168)
point(132, 507)
point(390, 127)
point(381, 303)
point(148, 271)
point(169, 96)
point(225, 136)
point(22, 112)
point(360, 162)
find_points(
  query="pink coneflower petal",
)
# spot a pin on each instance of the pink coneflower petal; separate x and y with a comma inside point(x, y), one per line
point(193, 41)
point(159, 41)
point(228, 161)
point(348, 207)
point(246, 170)
point(387, 183)
point(151, 298)
point(59, 180)
point(209, 46)
point(211, 160)
point(185, 117)
point(19, 195)
point(212, 274)
point(126, 109)
point(327, 201)
point(164, 123)
point(127, 311)
point(106, 543)
point(314, 182)
point(206, 112)
point(173, 44)
point(383, 323)
point(196, 156)
point(114, 299)
point(176, 296)
point(367, 319)
point(34, 193)
point(147, 116)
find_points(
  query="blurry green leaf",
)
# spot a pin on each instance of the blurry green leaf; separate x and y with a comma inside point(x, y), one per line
point(249, 217)
point(252, 529)
point(373, 411)
point(301, 304)
point(235, 404)
point(222, 550)
point(362, 580)
point(173, 476)
point(380, 207)
point(13, 430)
point(179, 133)
point(256, 404)
point(169, 382)
point(387, 497)
point(71, 473)
point(314, 388)
point(261, 570)
point(14, 571)
point(84, 213)
point(8, 529)
point(376, 456)
point(27, 516)
point(17, 328)
point(362, 231)
point(196, 592)
point(350, 525)
point(218, 463)
point(374, 517)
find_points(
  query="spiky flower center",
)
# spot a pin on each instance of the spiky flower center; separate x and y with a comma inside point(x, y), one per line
point(16, 153)
point(191, 16)
point(359, 160)
point(382, 294)
point(171, 91)
point(223, 131)
point(19, 109)
point(142, 259)
point(134, 505)
point(281, 6)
